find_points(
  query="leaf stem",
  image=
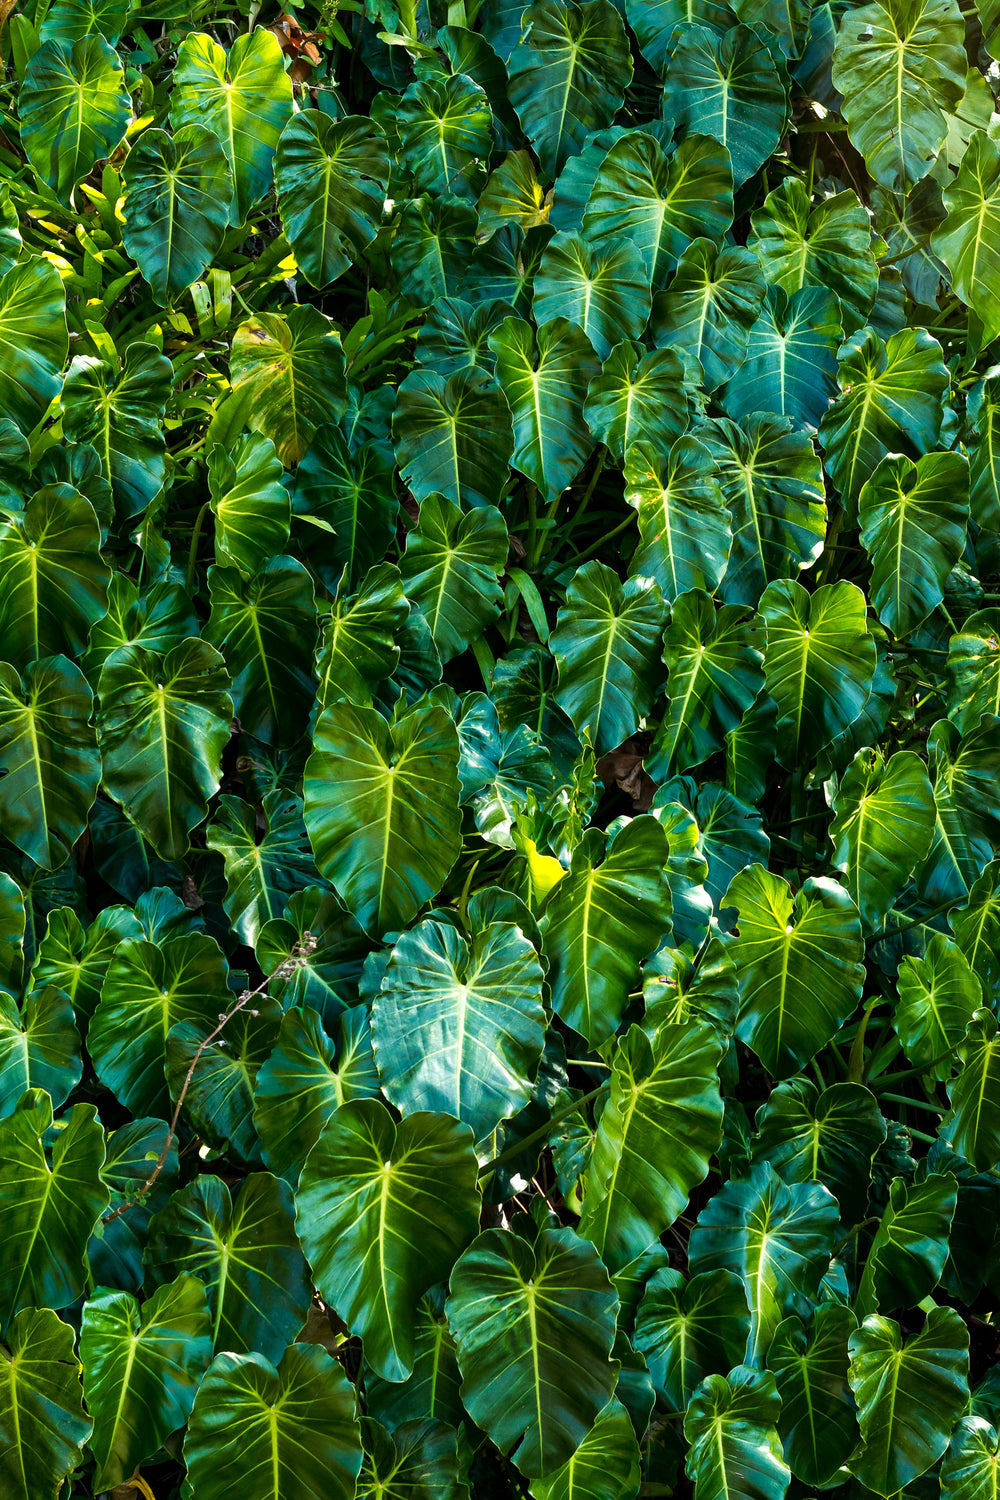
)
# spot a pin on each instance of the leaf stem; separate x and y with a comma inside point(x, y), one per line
point(934, 1109)
point(192, 567)
point(543, 1130)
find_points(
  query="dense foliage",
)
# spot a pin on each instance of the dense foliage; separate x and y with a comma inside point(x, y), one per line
point(500, 737)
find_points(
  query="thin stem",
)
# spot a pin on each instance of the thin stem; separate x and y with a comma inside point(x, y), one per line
point(934, 1109)
point(192, 567)
point(935, 911)
point(543, 1130)
point(629, 519)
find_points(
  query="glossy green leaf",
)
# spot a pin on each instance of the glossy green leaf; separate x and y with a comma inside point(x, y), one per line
point(772, 481)
point(331, 178)
point(913, 524)
point(689, 1330)
point(637, 397)
point(43, 1425)
point(162, 725)
point(245, 99)
point(891, 401)
point(910, 1246)
point(713, 300)
point(534, 1326)
point(568, 75)
point(288, 375)
point(381, 807)
point(606, 644)
point(901, 67)
point(53, 580)
point(259, 1428)
point(544, 381)
point(141, 1368)
point(453, 436)
point(39, 1048)
point(265, 629)
point(149, 988)
point(819, 662)
point(883, 827)
point(401, 1202)
point(790, 366)
point(828, 246)
point(605, 1466)
point(659, 1129)
point(778, 1238)
point(909, 1396)
point(458, 1024)
point(246, 1253)
point(444, 125)
point(973, 1127)
point(450, 569)
point(798, 965)
point(33, 340)
point(119, 409)
point(714, 672)
point(662, 204)
point(250, 504)
point(178, 191)
point(731, 87)
point(74, 110)
point(735, 1452)
point(306, 1078)
point(829, 1137)
point(818, 1426)
point(938, 995)
point(684, 524)
point(604, 916)
point(51, 1201)
point(48, 756)
point(602, 290)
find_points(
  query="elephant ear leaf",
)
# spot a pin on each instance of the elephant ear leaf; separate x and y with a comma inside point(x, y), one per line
point(118, 408)
point(545, 382)
point(450, 570)
point(973, 1127)
point(41, 1405)
point(253, 1420)
point(687, 1331)
point(685, 527)
point(883, 828)
point(777, 1238)
point(713, 300)
point(902, 71)
point(606, 1466)
point(245, 99)
point(402, 1202)
point(328, 229)
point(48, 752)
point(658, 1131)
point(662, 204)
point(602, 289)
point(731, 1427)
point(33, 340)
point(74, 110)
point(913, 523)
point(537, 1368)
point(602, 918)
point(605, 645)
point(819, 663)
point(382, 808)
point(638, 397)
point(445, 125)
point(453, 436)
point(909, 1396)
point(163, 723)
point(972, 1462)
point(731, 87)
point(288, 376)
point(51, 1199)
point(53, 579)
point(178, 191)
point(458, 1024)
point(798, 965)
point(568, 75)
point(818, 1425)
point(141, 1369)
point(828, 245)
